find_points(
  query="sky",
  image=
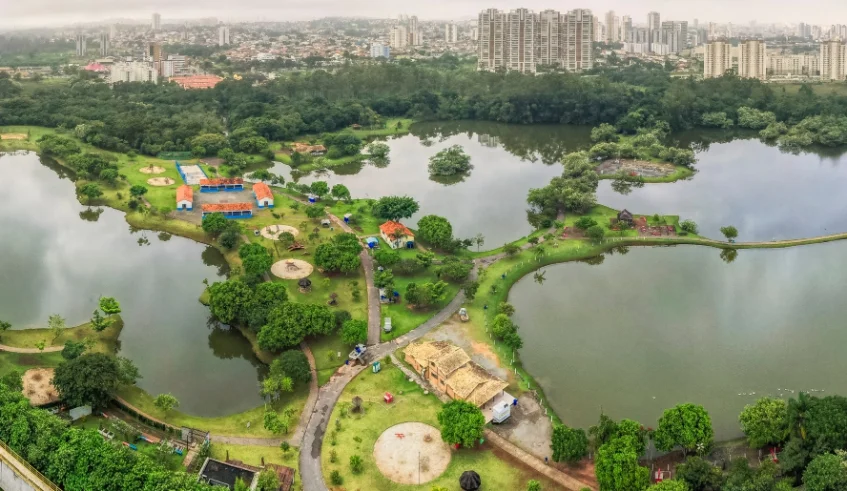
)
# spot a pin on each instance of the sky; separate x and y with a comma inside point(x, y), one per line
point(35, 13)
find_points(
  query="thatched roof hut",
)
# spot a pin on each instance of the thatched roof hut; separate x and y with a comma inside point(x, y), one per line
point(470, 481)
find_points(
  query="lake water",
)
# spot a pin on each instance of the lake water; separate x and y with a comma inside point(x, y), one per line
point(59, 257)
point(656, 327)
point(508, 160)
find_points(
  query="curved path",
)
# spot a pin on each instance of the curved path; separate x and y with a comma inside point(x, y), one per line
point(773, 244)
point(47, 349)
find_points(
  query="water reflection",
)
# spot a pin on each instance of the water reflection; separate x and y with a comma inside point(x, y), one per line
point(57, 263)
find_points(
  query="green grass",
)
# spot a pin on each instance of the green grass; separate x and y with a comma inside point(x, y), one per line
point(230, 425)
point(325, 349)
point(680, 172)
point(102, 342)
point(21, 362)
point(410, 404)
point(403, 318)
point(172, 461)
point(365, 223)
point(252, 455)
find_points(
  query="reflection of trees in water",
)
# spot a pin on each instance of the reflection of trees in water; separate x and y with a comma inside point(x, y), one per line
point(449, 180)
point(227, 343)
point(594, 260)
point(549, 143)
point(729, 255)
point(91, 214)
point(701, 139)
point(213, 257)
point(164, 236)
point(59, 169)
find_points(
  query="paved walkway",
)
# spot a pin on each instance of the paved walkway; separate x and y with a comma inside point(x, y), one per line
point(566, 481)
point(48, 349)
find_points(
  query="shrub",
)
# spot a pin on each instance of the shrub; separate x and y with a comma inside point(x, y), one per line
point(356, 464)
point(335, 478)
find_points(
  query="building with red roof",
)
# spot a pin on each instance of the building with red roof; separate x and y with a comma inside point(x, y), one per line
point(196, 81)
point(221, 184)
point(396, 235)
point(263, 194)
point(184, 197)
point(230, 210)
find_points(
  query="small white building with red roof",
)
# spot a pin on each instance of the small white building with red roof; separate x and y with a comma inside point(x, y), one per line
point(263, 194)
point(396, 235)
point(184, 197)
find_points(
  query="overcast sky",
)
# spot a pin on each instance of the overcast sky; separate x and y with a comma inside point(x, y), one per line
point(33, 13)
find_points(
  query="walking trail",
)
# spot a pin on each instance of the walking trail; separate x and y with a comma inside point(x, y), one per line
point(47, 349)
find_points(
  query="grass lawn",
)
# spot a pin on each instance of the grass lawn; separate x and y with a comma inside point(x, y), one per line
point(403, 318)
point(251, 455)
point(21, 362)
point(102, 342)
point(680, 172)
point(325, 350)
point(358, 434)
point(230, 425)
point(365, 223)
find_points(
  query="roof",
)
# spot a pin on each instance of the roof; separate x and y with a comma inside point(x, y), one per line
point(95, 67)
point(262, 191)
point(285, 475)
point(424, 352)
point(451, 362)
point(216, 207)
point(217, 472)
point(184, 193)
point(624, 214)
point(220, 181)
point(197, 81)
point(395, 228)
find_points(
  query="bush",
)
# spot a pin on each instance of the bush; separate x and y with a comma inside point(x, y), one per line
point(335, 478)
point(356, 464)
point(595, 233)
point(688, 226)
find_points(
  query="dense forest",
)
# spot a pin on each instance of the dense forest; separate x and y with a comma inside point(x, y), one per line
point(152, 118)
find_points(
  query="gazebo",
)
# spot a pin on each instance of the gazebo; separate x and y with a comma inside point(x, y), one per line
point(305, 285)
point(470, 481)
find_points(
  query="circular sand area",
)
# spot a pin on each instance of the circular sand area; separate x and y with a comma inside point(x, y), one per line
point(38, 386)
point(398, 449)
point(151, 170)
point(160, 181)
point(273, 232)
point(291, 269)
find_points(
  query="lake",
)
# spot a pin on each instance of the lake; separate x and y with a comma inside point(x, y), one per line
point(59, 257)
point(765, 193)
point(656, 327)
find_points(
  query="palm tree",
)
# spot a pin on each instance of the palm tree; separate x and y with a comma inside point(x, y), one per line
point(798, 409)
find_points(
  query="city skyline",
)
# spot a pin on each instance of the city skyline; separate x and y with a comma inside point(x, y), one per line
point(51, 13)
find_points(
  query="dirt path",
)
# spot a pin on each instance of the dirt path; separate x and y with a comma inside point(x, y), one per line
point(47, 349)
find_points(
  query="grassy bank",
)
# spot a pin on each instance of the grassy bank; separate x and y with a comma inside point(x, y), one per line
point(680, 172)
point(105, 341)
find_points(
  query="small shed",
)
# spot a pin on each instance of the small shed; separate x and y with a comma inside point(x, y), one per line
point(325, 223)
point(397, 235)
point(79, 412)
point(347, 217)
point(372, 242)
point(184, 197)
point(313, 198)
point(625, 216)
point(263, 194)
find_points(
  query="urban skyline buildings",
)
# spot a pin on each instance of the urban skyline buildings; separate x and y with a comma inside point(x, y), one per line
point(156, 23)
point(223, 35)
point(522, 40)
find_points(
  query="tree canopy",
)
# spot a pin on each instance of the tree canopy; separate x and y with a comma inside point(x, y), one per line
point(395, 207)
point(449, 162)
point(685, 425)
point(461, 423)
point(435, 231)
point(87, 379)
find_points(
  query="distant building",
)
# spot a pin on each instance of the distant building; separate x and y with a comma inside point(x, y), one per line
point(451, 33)
point(229, 210)
point(653, 26)
point(794, 65)
point(717, 58)
point(157, 22)
point(223, 35)
point(184, 197)
point(833, 61)
point(81, 45)
point(396, 235)
point(135, 71)
point(674, 34)
point(613, 27)
point(752, 62)
point(104, 44)
point(263, 194)
point(175, 66)
point(577, 38)
point(414, 29)
point(380, 51)
point(398, 37)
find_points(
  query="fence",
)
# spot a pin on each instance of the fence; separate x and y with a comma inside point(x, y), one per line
point(45, 483)
point(174, 155)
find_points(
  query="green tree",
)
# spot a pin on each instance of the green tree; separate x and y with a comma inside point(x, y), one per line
point(616, 466)
point(604, 133)
point(765, 422)
point(91, 191)
point(255, 259)
point(88, 379)
point(470, 288)
point(340, 192)
point(166, 402)
point(137, 191)
point(450, 162)
point(688, 226)
point(354, 332)
point(109, 305)
point(268, 481)
point(56, 324)
point(506, 308)
point(386, 257)
point(575, 191)
point(511, 249)
point(585, 222)
point(395, 207)
point(425, 295)
point(98, 322)
point(5, 326)
point(13, 381)
point(378, 150)
point(729, 232)
point(73, 349)
point(289, 323)
point(685, 425)
point(569, 444)
point(462, 423)
point(295, 364)
point(596, 233)
point(319, 188)
point(229, 299)
point(479, 240)
point(454, 269)
point(214, 223)
point(356, 464)
point(335, 478)
point(109, 176)
point(826, 472)
point(435, 231)
point(699, 475)
point(128, 373)
point(533, 485)
point(670, 486)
